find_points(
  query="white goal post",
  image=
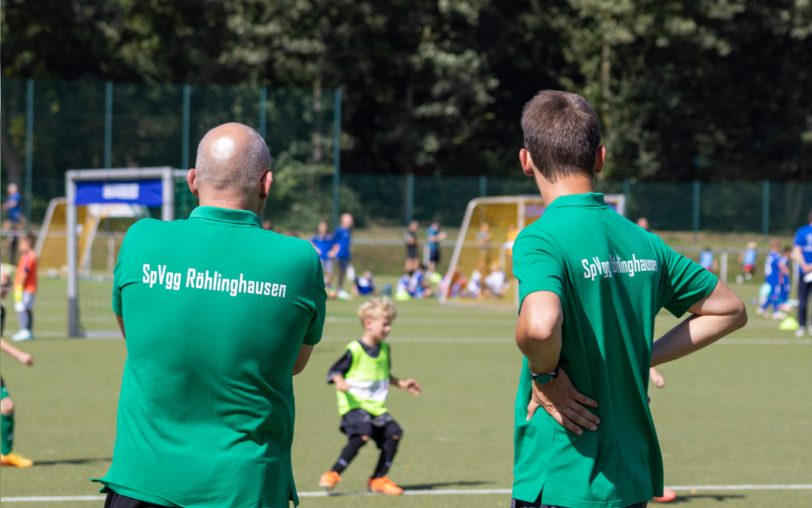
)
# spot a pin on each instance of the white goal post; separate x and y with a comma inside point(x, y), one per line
point(153, 186)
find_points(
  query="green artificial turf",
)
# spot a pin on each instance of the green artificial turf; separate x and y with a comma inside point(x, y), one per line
point(737, 413)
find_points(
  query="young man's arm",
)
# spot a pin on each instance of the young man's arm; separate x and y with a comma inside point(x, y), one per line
point(715, 316)
point(538, 335)
point(798, 256)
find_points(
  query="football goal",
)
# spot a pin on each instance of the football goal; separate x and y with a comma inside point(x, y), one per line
point(481, 266)
point(97, 199)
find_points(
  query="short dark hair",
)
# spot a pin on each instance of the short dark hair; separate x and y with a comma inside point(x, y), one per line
point(562, 133)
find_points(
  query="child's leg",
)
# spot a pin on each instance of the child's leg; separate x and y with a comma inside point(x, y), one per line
point(27, 316)
point(387, 442)
point(6, 421)
point(355, 443)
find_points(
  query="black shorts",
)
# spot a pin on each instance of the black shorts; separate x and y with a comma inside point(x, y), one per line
point(516, 503)
point(434, 256)
point(360, 423)
point(118, 501)
point(411, 252)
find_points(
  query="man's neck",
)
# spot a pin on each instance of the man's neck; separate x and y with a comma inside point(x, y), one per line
point(226, 201)
point(563, 186)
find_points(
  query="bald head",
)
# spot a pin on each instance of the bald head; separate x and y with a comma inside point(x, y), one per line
point(232, 157)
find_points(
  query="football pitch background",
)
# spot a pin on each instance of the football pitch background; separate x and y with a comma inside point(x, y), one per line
point(734, 420)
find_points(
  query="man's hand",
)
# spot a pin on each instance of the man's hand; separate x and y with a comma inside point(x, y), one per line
point(410, 386)
point(564, 403)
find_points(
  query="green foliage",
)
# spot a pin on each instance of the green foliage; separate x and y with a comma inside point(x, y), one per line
point(301, 196)
point(708, 89)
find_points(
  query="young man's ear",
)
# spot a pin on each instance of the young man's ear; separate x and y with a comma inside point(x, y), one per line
point(266, 182)
point(600, 158)
point(526, 160)
point(191, 181)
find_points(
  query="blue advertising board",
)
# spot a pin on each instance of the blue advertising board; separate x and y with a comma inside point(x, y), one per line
point(137, 192)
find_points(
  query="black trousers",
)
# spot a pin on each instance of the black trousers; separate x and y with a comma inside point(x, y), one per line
point(515, 503)
point(804, 289)
point(118, 501)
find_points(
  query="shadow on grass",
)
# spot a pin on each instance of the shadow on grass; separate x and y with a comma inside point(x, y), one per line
point(692, 498)
point(432, 486)
point(74, 462)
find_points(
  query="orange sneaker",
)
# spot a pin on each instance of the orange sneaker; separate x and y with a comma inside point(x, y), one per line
point(329, 480)
point(384, 485)
point(668, 496)
point(15, 460)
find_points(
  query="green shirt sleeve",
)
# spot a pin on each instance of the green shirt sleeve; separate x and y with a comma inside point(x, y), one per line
point(319, 298)
point(686, 282)
point(117, 280)
point(537, 264)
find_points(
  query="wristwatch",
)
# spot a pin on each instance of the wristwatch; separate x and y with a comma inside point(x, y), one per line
point(542, 378)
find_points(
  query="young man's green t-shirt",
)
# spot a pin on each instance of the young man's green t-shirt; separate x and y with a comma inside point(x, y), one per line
point(215, 310)
point(612, 278)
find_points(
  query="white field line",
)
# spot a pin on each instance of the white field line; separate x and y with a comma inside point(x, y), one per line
point(443, 492)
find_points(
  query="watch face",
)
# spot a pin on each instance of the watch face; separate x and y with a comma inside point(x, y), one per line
point(542, 379)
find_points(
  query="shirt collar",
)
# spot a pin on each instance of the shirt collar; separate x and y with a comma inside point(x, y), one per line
point(245, 217)
point(586, 199)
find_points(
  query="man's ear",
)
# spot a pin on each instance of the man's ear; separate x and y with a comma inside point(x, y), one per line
point(600, 158)
point(191, 181)
point(526, 160)
point(265, 184)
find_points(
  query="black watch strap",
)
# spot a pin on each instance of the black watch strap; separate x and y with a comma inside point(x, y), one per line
point(542, 378)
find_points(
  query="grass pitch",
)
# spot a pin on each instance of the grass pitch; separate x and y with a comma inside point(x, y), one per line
point(736, 416)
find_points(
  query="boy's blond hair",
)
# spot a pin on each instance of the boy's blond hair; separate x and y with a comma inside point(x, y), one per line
point(377, 308)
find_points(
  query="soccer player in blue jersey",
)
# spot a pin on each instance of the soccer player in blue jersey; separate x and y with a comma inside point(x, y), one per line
point(802, 253)
point(748, 260)
point(342, 252)
point(772, 274)
point(706, 259)
point(323, 242)
point(785, 279)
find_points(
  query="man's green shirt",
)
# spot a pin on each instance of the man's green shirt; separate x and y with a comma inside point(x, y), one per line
point(215, 310)
point(612, 278)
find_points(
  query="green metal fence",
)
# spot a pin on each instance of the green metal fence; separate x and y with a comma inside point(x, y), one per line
point(48, 127)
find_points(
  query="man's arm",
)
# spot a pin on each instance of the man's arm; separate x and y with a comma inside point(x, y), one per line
point(120, 321)
point(715, 316)
point(798, 256)
point(301, 360)
point(538, 330)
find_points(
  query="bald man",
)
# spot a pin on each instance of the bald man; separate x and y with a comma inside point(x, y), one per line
point(218, 315)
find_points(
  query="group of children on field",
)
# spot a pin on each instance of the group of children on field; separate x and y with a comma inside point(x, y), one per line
point(24, 290)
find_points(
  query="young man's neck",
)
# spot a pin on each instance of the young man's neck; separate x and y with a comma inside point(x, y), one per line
point(563, 186)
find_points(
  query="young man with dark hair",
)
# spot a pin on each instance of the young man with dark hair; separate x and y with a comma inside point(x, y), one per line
point(590, 286)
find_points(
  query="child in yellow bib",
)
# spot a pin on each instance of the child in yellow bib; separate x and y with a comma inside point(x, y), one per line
point(362, 377)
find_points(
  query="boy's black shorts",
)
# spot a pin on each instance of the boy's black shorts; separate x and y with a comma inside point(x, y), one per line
point(360, 423)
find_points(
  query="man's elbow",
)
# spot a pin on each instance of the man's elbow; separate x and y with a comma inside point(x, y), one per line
point(738, 315)
point(539, 330)
point(299, 368)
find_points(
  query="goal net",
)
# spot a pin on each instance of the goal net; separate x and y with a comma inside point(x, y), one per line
point(83, 232)
point(481, 267)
